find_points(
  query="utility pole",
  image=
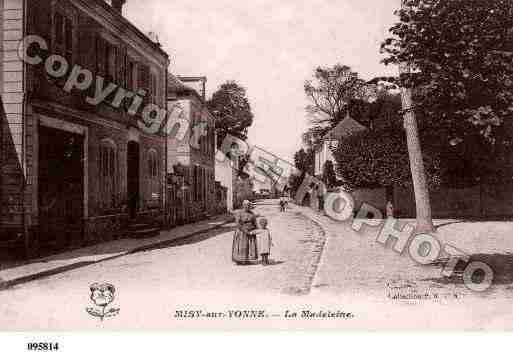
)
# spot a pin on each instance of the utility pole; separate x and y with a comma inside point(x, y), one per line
point(422, 201)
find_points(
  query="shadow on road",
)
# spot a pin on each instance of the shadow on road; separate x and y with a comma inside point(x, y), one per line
point(112, 249)
point(448, 224)
point(501, 264)
point(189, 240)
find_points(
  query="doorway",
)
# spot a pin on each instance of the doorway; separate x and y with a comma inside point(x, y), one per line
point(61, 188)
point(133, 158)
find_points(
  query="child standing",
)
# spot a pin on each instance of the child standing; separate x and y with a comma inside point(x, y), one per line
point(264, 240)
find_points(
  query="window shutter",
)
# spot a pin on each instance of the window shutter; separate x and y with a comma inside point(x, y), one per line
point(127, 75)
point(196, 180)
point(59, 33)
point(68, 36)
point(100, 56)
point(112, 162)
point(111, 62)
point(42, 20)
point(143, 77)
point(59, 46)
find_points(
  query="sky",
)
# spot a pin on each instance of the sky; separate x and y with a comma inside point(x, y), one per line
point(269, 47)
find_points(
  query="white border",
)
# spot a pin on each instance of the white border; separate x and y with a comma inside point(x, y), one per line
point(249, 345)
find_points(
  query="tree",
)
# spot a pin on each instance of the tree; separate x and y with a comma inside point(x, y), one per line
point(461, 71)
point(314, 136)
point(330, 92)
point(379, 158)
point(232, 109)
point(418, 172)
point(460, 54)
point(305, 161)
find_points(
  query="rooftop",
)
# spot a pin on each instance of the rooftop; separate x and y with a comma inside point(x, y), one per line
point(346, 128)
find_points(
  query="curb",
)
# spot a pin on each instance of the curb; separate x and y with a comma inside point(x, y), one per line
point(314, 282)
point(4, 285)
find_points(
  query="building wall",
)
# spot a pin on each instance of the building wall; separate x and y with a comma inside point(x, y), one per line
point(29, 95)
point(243, 190)
point(225, 175)
point(199, 163)
point(12, 161)
point(322, 156)
point(376, 197)
point(487, 201)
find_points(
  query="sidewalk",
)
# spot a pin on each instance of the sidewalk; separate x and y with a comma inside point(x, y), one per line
point(354, 262)
point(31, 270)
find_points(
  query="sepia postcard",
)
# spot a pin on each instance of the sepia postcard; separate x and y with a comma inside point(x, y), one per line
point(256, 165)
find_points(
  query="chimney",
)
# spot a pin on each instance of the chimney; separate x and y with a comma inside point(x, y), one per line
point(117, 5)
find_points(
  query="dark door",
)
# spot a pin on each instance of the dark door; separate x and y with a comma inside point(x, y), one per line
point(133, 178)
point(61, 188)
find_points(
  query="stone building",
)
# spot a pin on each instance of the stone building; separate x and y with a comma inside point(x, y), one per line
point(74, 169)
point(191, 151)
point(226, 175)
point(324, 153)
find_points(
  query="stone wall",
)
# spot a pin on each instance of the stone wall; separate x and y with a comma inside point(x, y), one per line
point(488, 201)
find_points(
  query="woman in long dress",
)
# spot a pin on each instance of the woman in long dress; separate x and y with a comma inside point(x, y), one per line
point(244, 249)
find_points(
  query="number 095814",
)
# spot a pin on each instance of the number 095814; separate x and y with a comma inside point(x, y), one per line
point(43, 346)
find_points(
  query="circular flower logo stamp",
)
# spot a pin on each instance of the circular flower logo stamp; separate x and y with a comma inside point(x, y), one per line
point(102, 295)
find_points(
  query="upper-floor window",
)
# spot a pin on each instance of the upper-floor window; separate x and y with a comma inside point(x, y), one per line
point(130, 74)
point(112, 59)
point(63, 35)
point(143, 78)
point(153, 88)
point(106, 59)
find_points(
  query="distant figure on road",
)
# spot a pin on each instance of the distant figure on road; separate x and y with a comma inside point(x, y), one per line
point(320, 191)
point(244, 250)
point(264, 240)
point(283, 204)
point(390, 209)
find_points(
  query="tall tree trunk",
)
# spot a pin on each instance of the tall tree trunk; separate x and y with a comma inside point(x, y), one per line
point(418, 173)
point(422, 202)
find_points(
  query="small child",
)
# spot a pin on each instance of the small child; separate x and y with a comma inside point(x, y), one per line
point(264, 240)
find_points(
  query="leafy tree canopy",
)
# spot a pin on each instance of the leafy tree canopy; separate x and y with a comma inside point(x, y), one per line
point(230, 105)
point(330, 92)
point(305, 161)
point(459, 53)
point(380, 159)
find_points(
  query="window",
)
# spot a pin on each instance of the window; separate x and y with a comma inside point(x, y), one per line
point(200, 184)
point(130, 74)
point(197, 183)
point(111, 59)
point(108, 174)
point(106, 59)
point(143, 74)
point(59, 29)
point(63, 28)
point(154, 182)
point(153, 164)
point(153, 89)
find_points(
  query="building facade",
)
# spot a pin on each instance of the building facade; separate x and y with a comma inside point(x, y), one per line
point(77, 162)
point(191, 153)
point(225, 175)
point(324, 153)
